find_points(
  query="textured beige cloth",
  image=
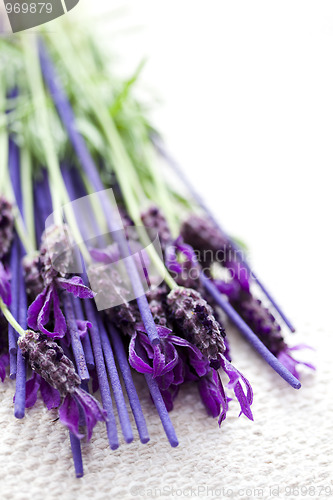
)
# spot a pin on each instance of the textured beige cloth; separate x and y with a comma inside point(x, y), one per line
point(289, 444)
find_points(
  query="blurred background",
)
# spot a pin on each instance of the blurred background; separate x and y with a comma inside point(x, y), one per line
point(245, 104)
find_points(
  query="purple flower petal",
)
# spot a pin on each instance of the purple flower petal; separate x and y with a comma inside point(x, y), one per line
point(171, 260)
point(35, 309)
point(50, 395)
point(186, 250)
point(290, 362)
point(5, 285)
point(212, 394)
point(135, 360)
point(229, 288)
point(239, 273)
point(106, 255)
point(196, 359)
point(169, 396)
point(40, 310)
point(92, 410)
point(44, 313)
point(82, 326)
point(69, 415)
point(76, 286)
point(60, 325)
point(235, 377)
point(31, 390)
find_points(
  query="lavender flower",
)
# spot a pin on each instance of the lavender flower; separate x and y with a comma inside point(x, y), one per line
point(49, 361)
point(193, 316)
point(154, 219)
point(205, 238)
point(265, 326)
point(33, 279)
point(6, 226)
point(45, 310)
point(166, 362)
point(212, 395)
point(55, 249)
point(50, 395)
point(175, 361)
point(182, 262)
point(157, 304)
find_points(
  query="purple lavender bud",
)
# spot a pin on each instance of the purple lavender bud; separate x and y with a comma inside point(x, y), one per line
point(6, 226)
point(55, 248)
point(261, 321)
point(47, 358)
point(109, 289)
point(125, 218)
point(157, 303)
point(33, 279)
point(207, 239)
point(195, 319)
point(153, 218)
point(125, 317)
point(107, 284)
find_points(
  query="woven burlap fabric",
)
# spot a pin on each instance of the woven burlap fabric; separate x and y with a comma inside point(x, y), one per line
point(289, 444)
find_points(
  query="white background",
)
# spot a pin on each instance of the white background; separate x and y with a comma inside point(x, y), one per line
point(246, 94)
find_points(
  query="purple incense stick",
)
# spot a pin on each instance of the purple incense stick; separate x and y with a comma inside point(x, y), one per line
point(15, 174)
point(19, 405)
point(67, 117)
point(248, 333)
point(77, 456)
point(88, 354)
point(76, 344)
point(133, 397)
point(42, 209)
point(160, 405)
point(102, 376)
point(115, 382)
point(12, 335)
point(160, 148)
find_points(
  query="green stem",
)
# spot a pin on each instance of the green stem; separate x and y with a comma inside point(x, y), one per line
point(160, 191)
point(117, 155)
point(59, 195)
point(10, 318)
point(5, 183)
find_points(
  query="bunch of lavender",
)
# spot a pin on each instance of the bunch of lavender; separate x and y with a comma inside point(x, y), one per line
point(173, 334)
point(205, 237)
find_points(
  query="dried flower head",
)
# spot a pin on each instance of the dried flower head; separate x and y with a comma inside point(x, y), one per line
point(48, 360)
point(206, 239)
point(157, 303)
point(32, 274)
point(194, 317)
point(56, 252)
point(153, 218)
